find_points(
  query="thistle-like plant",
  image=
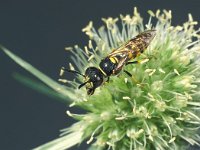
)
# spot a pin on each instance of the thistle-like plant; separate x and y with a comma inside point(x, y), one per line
point(158, 108)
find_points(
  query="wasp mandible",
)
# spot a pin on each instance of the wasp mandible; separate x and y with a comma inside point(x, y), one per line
point(115, 61)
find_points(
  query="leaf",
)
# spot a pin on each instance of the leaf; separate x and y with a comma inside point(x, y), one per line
point(38, 86)
point(62, 143)
point(45, 79)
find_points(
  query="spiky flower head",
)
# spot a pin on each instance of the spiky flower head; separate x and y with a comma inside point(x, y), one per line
point(156, 109)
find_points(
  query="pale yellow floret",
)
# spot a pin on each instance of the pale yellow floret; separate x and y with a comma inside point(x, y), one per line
point(161, 70)
point(71, 67)
point(68, 48)
point(151, 13)
point(91, 57)
point(86, 50)
point(126, 98)
point(61, 72)
point(176, 72)
point(63, 80)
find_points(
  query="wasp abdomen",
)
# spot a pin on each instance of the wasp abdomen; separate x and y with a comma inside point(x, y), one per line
point(142, 41)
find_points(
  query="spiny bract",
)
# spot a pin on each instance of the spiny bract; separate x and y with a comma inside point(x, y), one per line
point(156, 109)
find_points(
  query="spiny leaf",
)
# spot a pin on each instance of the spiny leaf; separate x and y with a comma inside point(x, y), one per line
point(64, 142)
point(41, 76)
point(40, 87)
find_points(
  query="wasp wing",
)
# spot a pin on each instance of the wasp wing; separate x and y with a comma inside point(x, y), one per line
point(122, 50)
point(120, 64)
point(121, 54)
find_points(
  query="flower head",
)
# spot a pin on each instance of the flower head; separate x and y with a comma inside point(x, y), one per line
point(156, 109)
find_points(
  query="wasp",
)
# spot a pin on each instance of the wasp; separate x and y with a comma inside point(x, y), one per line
point(115, 61)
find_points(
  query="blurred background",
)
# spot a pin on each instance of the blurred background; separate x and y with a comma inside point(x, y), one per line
point(38, 31)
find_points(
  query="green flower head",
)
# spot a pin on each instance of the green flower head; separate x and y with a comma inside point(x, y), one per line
point(157, 108)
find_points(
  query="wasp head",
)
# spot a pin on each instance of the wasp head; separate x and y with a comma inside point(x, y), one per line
point(93, 79)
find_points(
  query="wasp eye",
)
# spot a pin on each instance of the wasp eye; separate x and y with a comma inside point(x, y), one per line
point(96, 77)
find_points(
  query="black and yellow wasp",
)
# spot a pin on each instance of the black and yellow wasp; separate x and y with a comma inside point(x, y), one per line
point(115, 61)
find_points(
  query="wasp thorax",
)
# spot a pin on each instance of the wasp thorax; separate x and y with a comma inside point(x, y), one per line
point(94, 79)
point(107, 66)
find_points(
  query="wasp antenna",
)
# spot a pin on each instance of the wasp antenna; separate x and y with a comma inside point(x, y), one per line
point(81, 85)
point(73, 71)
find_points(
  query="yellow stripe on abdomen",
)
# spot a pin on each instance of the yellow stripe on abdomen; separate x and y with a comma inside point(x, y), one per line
point(114, 60)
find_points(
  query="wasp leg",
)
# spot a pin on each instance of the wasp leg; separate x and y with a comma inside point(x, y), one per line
point(128, 73)
point(138, 61)
point(132, 77)
point(108, 79)
point(133, 62)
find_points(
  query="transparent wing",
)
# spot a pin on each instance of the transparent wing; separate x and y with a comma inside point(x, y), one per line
point(121, 63)
point(123, 50)
point(121, 54)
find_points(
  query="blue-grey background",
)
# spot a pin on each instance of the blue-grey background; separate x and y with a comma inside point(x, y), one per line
point(38, 31)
